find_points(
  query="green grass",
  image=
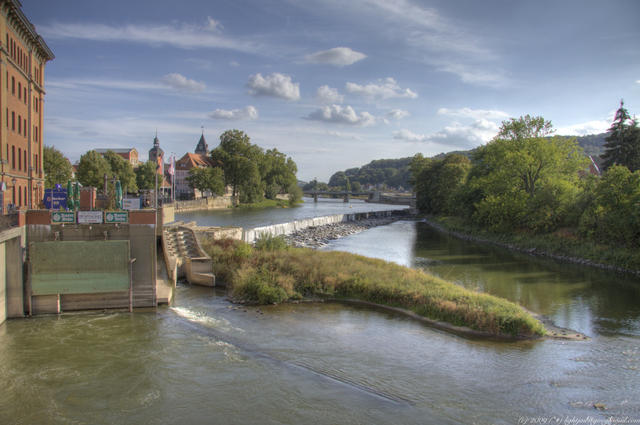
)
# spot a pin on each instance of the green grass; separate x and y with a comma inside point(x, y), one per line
point(563, 243)
point(275, 275)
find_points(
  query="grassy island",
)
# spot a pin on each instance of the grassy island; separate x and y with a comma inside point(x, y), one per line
point(271, 272)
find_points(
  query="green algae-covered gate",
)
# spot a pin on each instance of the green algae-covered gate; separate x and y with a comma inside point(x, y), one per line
point(63, 268)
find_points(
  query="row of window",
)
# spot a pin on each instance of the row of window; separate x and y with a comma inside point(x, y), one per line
point(22, 92)
point(19, 197)
point(22, 125)
point(22, 159)
point(17, 54)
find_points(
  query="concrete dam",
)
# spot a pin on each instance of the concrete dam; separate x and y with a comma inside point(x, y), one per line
point(282, 229)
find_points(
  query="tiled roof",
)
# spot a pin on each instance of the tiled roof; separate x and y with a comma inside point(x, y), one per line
point(190, 160)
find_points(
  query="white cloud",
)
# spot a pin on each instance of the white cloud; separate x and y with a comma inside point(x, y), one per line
point(473, 73)
point(385, 89)
point(342, 115)
point(489, 114)
point(582, 129)
point(326, 94)
point(456, 134)
point(397, 114)
point(104, 84)
point(338, 56)
point(275, 85)
point(410, 136)
point(213, 25)
point(181, 83)
point(181, 36)
point(248, 113)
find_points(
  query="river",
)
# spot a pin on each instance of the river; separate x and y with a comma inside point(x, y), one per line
point(205, 360)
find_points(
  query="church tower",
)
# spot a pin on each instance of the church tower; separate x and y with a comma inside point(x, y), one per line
point(156, 154)
point(202, 148)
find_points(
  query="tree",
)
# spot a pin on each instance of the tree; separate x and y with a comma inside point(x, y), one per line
point(239, 159)
point(278, 173)
point(622, 145)
point(57, 168)
point(146, 175)
point(523, 178)
point(207, 180)
point(92, 168)
point(122, 170)
point(613, 215)
point(438, 182)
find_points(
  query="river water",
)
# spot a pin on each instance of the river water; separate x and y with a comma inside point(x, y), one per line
point(206, 361)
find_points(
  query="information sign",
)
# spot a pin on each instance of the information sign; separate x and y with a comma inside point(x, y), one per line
point(116, 217)
point(88, 217)
point(63, 217)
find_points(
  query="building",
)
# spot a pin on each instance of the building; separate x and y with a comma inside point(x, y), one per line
point(202, 148)
point(129, 154)
point(183, 166)
point(156, 154)
point(23, 56)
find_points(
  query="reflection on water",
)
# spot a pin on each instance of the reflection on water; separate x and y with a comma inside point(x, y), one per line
point(206, 361)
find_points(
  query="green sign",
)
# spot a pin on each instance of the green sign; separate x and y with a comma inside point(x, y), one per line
point(63, 217)
point(116, 217)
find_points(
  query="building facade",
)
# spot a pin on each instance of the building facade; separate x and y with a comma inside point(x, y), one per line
point(129, 154)
point(23, 56)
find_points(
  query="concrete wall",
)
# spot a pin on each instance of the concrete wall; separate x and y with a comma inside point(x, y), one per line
point(211, 203)
point(12, 243)
point(140, 232)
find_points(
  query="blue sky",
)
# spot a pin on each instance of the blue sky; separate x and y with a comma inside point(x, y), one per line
point(333, 84)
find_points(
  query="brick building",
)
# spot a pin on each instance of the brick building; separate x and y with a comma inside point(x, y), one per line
point(130, 154)
point(23, 56)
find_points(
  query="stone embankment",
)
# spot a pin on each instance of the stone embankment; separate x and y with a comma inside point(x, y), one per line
point(319, 236)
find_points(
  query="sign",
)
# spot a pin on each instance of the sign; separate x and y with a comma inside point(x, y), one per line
point(87, 217)
point(63, 217)
point(131, 204)
point(55, 199)
point(116, 217)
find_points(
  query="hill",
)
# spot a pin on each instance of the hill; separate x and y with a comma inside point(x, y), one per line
point(395, 174)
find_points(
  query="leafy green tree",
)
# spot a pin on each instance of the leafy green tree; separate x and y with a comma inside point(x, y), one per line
point(278, 173)
point(57, 168)
point(239, 159)
point(122, 170)
point(207, 180)
point(92, 168)
point(622, 145)
point(146, 175)
point(523, 179)
point(613, 215)
point(438, 182)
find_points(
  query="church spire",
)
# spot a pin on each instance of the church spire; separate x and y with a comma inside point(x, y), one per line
point(202, 148)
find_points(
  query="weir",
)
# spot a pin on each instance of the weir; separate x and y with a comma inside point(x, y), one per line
point(282, 229)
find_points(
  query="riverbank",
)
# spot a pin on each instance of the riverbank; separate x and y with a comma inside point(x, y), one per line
point(319, 236)
point(558, 247)
point(277, 274)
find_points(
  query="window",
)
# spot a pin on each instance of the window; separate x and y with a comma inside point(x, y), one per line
point(19, 90)
point(13, 157)
point(36, 131)
point(7, 117)
point(13, 120)
point(35, 162)
point(26, 167)
point(19, 124)
point(25, 127)
point(25, 96)
point(19, 159)
point(13, 85)
point(19, 196)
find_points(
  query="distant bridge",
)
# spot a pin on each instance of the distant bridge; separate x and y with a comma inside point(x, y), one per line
point(372, 196)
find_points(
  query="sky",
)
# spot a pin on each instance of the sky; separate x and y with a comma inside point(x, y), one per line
point(332, 83)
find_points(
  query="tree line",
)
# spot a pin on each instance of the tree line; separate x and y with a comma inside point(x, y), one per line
point(526, 180)
point(253, 173)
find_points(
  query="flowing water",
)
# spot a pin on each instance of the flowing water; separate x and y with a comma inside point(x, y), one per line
point(206, 361)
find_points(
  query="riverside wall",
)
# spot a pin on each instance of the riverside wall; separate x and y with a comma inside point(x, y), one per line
point(12, 248)
point(209, 203)
point(283, 229)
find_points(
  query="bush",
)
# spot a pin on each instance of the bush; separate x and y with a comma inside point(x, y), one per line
point(269, 242)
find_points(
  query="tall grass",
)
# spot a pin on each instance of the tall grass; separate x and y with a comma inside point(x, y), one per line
point(278, 275)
